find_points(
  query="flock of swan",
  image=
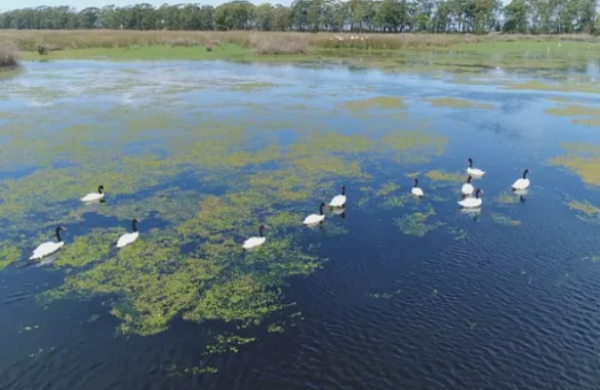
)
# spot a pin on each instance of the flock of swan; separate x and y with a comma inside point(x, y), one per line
point(471, 199)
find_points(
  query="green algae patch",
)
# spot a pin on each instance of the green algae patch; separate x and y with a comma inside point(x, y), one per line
point(449, 177)
point(504, 220)
point(584, 115)
point(586, 211)
point(506, 197)
point(387, 188)
point(8, 254)
point(252, 87)
point(581, 159)
point(92, 247)
point(380, 102)
point(386, 295)
point(417, 224)
point(459, 103)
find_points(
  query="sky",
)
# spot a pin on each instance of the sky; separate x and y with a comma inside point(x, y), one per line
point(80, 4)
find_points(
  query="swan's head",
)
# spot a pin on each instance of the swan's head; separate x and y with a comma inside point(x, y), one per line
point(469, 179)
point(343, 190)
point(135, 220)
point(261, 229)
point(60, 228)
point(100, 188)
point(416, 182)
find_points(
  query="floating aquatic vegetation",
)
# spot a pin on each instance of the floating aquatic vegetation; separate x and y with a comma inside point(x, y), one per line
point(94, 246)
point(274, 328)
point(381, 102)
point(437, 175)
point(458, 233)
point(416, 224)
point(390, 202)
point(504, 220)
point(9, 253)
point(581, 159)
point(593, 259)
point(459, 103)
point(252, 87)
point(506, 197)
point(584, 115)
point(387, 188)
point(586, 211)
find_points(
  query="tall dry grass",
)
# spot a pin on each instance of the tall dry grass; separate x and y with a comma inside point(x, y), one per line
point(260, 42)
point(9, 57)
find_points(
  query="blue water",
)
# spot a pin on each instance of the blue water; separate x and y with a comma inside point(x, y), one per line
point(507, 307)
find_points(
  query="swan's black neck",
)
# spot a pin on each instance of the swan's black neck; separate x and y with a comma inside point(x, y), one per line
point(525, 174)
point(261, 231)
point(58, 239)
point(477, 193)
point(469, 179)
point(470, 163)
point(321, 208)
point(134, 225)
point(344, 190)
point(416, 183)
point(100, 189)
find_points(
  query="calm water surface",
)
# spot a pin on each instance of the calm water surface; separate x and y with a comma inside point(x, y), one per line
point(460, 301)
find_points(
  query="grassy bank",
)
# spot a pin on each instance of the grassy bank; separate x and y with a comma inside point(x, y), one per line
point(459, 54)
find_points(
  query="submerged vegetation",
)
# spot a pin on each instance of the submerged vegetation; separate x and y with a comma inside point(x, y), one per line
point(458, 103)
point(584, 115)
point(581, 159)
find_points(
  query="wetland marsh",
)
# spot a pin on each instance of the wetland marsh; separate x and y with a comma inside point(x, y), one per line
point(395, 292)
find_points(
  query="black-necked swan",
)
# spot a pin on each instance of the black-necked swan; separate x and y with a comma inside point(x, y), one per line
point(49, 247)
point(339, 200)
point(474, 171)
point(128, 238)
point(472, 201)
point(416, 191)
point(253, 242)
point(94, 196)
point(522, 183)
point(315, 218)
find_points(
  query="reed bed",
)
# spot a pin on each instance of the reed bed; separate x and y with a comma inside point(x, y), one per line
point(9, 57)
point(260, 42)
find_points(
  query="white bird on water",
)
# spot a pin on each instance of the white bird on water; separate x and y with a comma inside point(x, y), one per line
point(522, 183)
point(467, 188)
point(472, 202)
point(339, 200)
point(253, 242)
point(474, 171)
point(49, 247)
point(94, 196)
point(313, 219)
point(416, 191)
point(128, 238)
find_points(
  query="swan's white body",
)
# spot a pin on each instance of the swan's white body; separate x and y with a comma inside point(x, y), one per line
point(416, 191)
point(127, 239)
point(253, 242)
point(338, 201)
point(521, 184)
point(475, 172)
point(313, 219)
point(92, 197)
point(467, 189)
point(45, 249)
point(470, 202)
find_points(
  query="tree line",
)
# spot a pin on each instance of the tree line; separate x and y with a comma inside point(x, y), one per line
point(433, 16)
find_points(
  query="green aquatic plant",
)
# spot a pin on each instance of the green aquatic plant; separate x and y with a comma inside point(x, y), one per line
point(380, 102)
point(459, 103)
point(388, 295)
point(584, 115)
point(9, 253)
point(416, 224)
point(441, 176)
point(94, 246)
point(504, 220)
point(252, 87)
point(387, 188)
point(581, 159)
point(506, 197)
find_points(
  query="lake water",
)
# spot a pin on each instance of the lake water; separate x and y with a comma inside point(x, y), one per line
point(395, 293)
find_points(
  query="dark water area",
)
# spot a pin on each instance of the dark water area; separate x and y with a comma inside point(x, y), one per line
point(460, 301)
